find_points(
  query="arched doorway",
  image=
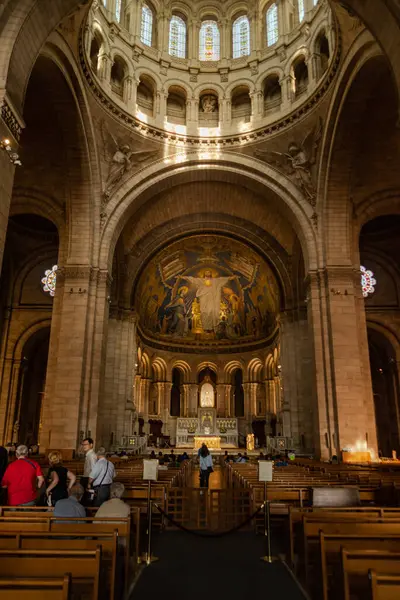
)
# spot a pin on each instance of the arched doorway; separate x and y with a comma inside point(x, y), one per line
point(31, 383)
point(385, 386)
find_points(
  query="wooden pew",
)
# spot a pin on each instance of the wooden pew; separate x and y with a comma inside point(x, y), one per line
point(330, 552)
point(35, 589)
point(84, 566)
point(384, 587)
point(313, 527)
point(53, 541)
point(357, 564)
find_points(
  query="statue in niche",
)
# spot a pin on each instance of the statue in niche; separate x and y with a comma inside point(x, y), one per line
point(298, 160)
point(209, 103)
point(120, 158)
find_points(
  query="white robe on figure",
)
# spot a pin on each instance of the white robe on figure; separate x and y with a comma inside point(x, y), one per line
point(209, 295)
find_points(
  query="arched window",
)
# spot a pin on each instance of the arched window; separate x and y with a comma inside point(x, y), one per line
point(177, 37)
point(146, 29)
point(209, 41)
point(315, 2)
point(118, 10)
point(241, 37)
point(272, 25)
point(301, 10)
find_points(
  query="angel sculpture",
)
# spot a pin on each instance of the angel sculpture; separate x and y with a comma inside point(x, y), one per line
point(122, 159)
point(298, 160)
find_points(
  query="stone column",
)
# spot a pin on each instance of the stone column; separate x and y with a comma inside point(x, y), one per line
point(76, 356)
point(345, 409)
point(185, 400)
point(229, 411)
point(247, 408)
point(165, 409)
point(160, 396)
point(193, 400)
point(225, 50)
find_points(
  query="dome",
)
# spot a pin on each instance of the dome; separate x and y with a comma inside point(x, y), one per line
point(209, 69)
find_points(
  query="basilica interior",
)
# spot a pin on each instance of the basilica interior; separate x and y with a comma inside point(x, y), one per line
point(200, 224)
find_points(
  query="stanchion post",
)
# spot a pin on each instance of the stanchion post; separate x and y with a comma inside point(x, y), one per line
point(265, 474)
point(149, 523)
point(150, 468)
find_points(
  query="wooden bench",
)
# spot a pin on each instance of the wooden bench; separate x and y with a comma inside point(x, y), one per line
point(84, 566)
point(313, 527)
point(35, 589)
point(330, 553)
point(53, 541)
point(384, 587)
point(357, 564)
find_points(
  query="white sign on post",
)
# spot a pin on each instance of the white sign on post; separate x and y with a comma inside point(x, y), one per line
point(150, 469)
point(265, 470)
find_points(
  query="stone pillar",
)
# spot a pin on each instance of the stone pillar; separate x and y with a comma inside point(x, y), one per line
point(253, 399)
point(76, 356)
point(229, 410)
point(220, 400)
point(9, 407)
point(193, 400)
point(160, 397)
point(225, 50)
point(345, 409)
point(185, 400)
point(165, 410)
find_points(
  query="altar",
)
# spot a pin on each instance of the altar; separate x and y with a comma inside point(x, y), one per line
point(213, 442)
point(207, 428)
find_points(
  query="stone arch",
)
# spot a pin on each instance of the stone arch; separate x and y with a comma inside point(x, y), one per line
point(256, 175)
point(159, 367)
point(55, 68)
point(334, 187)
point(230, 368)
point(185, 369)
point(254, 369)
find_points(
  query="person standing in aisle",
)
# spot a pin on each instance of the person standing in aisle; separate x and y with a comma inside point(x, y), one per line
point(206, 466)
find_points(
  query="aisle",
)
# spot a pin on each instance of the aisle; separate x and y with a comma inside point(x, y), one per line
point(216, 481)
point(195, 568)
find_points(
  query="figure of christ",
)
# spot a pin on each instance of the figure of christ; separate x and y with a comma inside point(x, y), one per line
point(209, 294)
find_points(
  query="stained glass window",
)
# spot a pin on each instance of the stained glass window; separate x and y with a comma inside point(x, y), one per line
point(367, 281)
point(49, 280)
point(241, 37)
point(118, 10)
point(209, 41)
point(315, 2)
point(146, 30)
point(301, 10)
point(272, 25)
point(177, 37)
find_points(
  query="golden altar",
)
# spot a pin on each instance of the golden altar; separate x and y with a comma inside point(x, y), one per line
point(213, 442)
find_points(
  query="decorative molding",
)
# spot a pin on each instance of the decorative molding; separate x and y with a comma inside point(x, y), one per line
point(11, 118)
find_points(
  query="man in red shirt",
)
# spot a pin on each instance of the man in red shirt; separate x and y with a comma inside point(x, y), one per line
point(21, 478)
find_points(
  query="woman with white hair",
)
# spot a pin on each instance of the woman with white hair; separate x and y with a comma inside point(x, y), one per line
point(115, 508)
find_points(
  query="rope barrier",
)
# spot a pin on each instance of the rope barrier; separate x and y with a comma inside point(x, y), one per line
point(208, 535)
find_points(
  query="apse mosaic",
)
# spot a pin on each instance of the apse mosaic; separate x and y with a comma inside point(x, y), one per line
point(207, 288)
